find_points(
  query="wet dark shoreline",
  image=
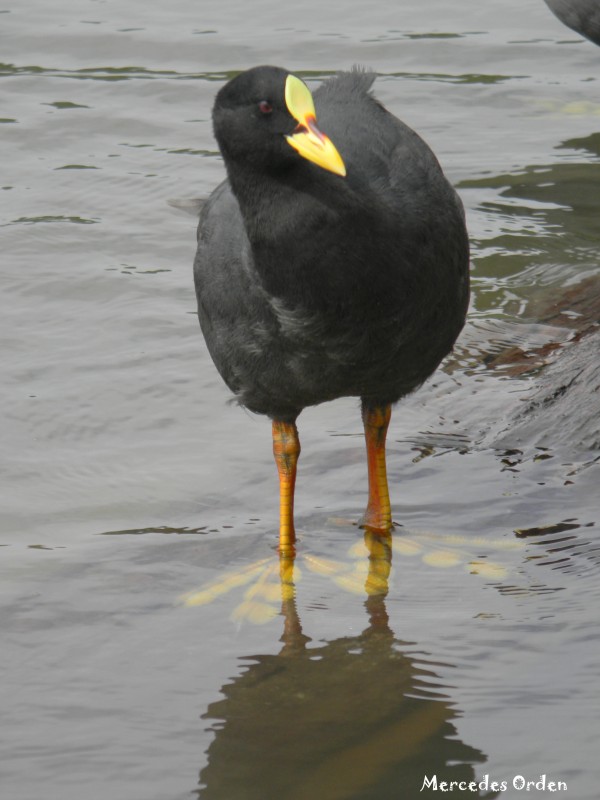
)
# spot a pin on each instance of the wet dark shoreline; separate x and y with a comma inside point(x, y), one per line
point(563, 410)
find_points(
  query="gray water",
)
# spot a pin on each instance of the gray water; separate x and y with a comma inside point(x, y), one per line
point(148, 647)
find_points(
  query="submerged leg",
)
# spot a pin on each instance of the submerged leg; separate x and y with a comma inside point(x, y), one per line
point(378, 515)
point(286, 449)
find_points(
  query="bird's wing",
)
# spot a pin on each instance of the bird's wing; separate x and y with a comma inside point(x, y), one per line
point(191, 205)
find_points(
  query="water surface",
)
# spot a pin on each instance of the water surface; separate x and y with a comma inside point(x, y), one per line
point(130, 485)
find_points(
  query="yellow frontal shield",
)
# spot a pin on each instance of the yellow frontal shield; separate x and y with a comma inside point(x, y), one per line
point(307, 139)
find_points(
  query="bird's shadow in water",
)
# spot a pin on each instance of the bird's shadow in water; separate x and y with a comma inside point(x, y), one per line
point(356, 717)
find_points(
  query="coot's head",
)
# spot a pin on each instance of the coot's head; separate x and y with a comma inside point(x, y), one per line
point(265, 117)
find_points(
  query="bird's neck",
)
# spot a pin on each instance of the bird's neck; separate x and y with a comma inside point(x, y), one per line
point(293, 224)
point(259, 198)
point(272, 203)
point(286, 225)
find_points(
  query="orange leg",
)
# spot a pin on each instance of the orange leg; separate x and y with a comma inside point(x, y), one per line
point(378, 515)
point(286, 449)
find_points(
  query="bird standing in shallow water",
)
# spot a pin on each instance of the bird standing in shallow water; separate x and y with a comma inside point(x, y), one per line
point(332, 262)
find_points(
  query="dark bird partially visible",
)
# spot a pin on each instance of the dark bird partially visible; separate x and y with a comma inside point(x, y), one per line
point(582, 16)
point(332, 262)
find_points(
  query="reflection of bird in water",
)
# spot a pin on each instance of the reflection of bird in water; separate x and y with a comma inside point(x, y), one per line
point(326, 267)
point(355, 717)
point(261, 581)
point(582, 16)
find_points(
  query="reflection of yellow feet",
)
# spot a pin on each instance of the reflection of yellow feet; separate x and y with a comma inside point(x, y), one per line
point(579, 108)
point(441, 550)
point(272, 580)
point(365, 570)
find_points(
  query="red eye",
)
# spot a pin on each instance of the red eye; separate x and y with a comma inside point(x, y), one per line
point(265, 107)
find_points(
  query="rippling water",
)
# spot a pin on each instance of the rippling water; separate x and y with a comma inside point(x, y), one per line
point(139, 509)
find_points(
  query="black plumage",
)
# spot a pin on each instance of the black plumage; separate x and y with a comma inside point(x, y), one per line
point(312, 285)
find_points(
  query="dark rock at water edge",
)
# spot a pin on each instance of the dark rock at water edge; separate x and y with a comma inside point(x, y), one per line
point(564, 409)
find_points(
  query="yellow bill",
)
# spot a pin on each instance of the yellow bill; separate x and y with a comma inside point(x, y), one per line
point(307, 139)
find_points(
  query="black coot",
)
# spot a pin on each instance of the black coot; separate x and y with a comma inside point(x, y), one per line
point(332, 262)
